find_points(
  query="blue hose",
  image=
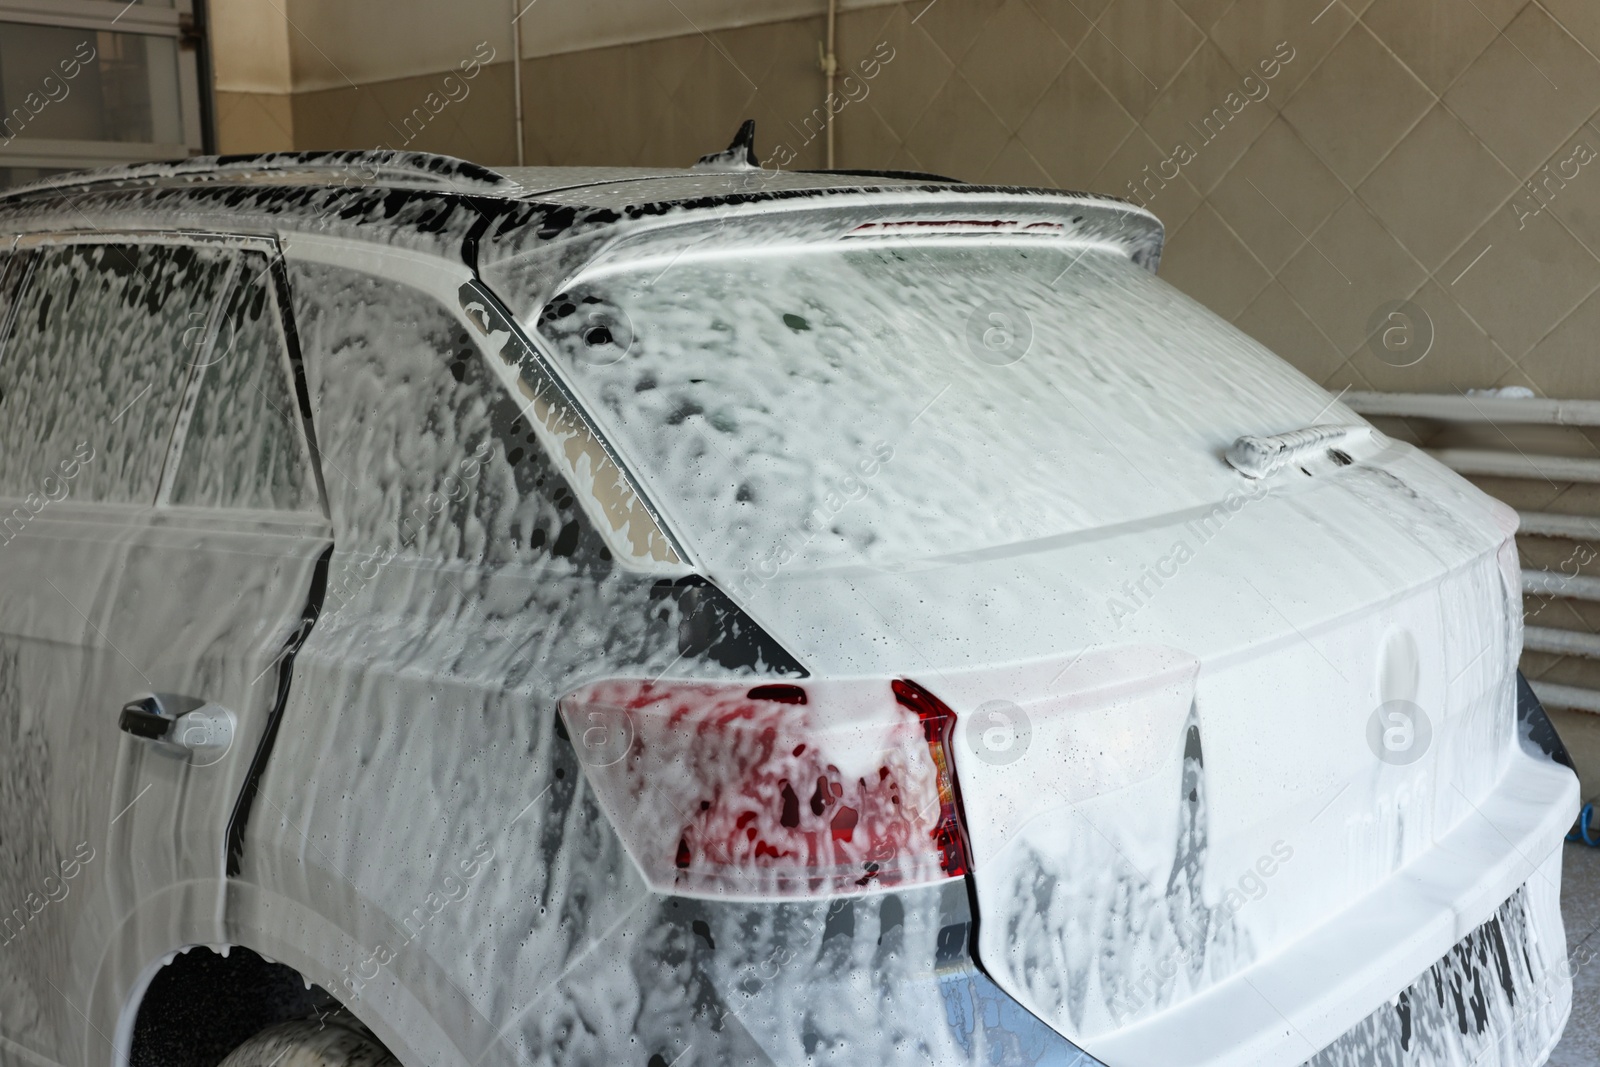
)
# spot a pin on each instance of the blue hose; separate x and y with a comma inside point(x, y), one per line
point(1581, 832)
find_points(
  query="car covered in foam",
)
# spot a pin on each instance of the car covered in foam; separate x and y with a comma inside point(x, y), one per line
point(733, 617)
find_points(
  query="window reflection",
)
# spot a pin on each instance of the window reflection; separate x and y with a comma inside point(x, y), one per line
point(65, 84)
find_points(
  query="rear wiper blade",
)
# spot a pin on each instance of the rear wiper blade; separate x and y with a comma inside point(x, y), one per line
point(1257, 457)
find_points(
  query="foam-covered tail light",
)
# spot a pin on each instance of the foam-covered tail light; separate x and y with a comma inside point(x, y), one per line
point(770, 791)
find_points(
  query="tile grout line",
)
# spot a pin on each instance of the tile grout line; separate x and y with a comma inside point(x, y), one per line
point(1521, 186)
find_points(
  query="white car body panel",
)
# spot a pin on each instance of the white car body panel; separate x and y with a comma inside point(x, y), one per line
point(427, 842)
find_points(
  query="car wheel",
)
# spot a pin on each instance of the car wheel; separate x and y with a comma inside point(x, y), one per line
point(311, 1043)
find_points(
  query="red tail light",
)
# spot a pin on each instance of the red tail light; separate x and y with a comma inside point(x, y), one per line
point(938, 727)
point(774, 791)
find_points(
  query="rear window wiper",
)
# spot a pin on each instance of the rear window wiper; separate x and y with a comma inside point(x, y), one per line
point(1257, 457)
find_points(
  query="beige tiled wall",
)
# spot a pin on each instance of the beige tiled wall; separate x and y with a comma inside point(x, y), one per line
point(472, 118)
point(1312, 161)
point(668, 102)
point(1382, 157)
point(254, 122)
point(661, 103)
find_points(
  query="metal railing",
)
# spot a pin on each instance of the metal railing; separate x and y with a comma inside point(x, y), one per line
point(1519, 464)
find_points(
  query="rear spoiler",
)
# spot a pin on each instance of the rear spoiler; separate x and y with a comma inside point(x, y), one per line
point(534, 261)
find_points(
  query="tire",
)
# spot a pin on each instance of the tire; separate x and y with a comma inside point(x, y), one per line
point(312, 1043)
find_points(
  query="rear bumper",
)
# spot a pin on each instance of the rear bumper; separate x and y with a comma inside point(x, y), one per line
point(1497, 999)
point(1331, 991)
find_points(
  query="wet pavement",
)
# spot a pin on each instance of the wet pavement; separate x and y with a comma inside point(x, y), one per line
point(1580, 909)
point(1580, 901)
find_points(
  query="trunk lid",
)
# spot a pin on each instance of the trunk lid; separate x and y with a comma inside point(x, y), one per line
point(1183, 745)
point(1198, 714)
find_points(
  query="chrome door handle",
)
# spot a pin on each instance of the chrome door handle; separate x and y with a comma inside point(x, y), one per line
point(203, 732)
point(145, 718)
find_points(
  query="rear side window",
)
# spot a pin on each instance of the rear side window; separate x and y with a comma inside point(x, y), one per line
point(424, 450)
point(242, 438)
point(95, 364)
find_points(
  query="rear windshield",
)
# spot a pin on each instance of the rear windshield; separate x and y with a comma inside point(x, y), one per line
point(881, 403)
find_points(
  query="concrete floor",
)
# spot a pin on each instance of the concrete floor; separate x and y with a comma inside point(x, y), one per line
point(1580, 901)
point(1580, 909)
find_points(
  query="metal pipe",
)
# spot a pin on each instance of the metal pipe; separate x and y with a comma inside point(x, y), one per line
point(1548, 524)
point(1514, 409)
point(516, 74)
point(830, 67)
point(1567, 696)
point(1561, 642)
point(1485, 462)
point(1556, 584)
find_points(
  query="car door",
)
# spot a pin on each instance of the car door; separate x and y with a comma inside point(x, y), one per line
point(92, 372)
point(217, 587)
point(160, 564)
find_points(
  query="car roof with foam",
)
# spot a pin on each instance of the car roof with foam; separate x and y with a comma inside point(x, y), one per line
point(452, 207)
